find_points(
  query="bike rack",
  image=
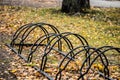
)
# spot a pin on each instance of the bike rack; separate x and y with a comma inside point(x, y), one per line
point(62, 48)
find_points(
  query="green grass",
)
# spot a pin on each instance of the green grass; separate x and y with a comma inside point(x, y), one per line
point(100, 26)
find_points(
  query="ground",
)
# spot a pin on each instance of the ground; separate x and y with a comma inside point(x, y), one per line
point(5, 59)
point(99, 27)
point(12, 67)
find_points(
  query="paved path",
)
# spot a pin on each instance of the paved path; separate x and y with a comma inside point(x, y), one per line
point(103, 3)
point(56, 3)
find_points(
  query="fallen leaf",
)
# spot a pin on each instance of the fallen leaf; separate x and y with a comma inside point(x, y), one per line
point(13, 71)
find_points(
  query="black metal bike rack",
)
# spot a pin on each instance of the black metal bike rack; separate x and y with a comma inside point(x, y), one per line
point(53, 42)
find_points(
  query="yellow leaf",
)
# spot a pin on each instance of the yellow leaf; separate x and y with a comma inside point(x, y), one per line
point(61, 67)
point(98, 67)
point(48, 70)
point(37, 74)
point(29, 64)
point(78, 62)
point(115, 68)
point(13, 71)
point(72, 66)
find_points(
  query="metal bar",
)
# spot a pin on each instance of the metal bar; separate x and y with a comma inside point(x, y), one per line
point(24, 32)
point(63, 53)
point(36, 68)
point(15, 51)
point(42, 72)
point(100, 73)
point(27, 45)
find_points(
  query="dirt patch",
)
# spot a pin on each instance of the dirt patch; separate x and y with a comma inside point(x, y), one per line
point(5, 59)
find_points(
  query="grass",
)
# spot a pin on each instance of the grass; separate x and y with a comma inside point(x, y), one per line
point(99, 26)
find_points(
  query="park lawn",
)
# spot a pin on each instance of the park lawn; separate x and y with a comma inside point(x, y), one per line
point(99, 26)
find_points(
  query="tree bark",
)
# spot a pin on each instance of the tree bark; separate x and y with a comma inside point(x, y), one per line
point(73, 6)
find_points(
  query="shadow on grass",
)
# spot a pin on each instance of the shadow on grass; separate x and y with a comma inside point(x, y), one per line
point(109, 15)
point(114, 31)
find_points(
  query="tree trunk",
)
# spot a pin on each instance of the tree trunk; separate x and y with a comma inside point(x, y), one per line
point(72, 6)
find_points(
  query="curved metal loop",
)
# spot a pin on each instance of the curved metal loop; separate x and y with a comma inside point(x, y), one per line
point(51, 26)
point(50, 39)
point(99, 54)
point(64, 35)
point(52, 48)
point(26, 34)
point(18, 32)
point(22, 28)
point(106, 70)
point(84, 48)
point(39, 42)
point(27, 31)
point(43, 38)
